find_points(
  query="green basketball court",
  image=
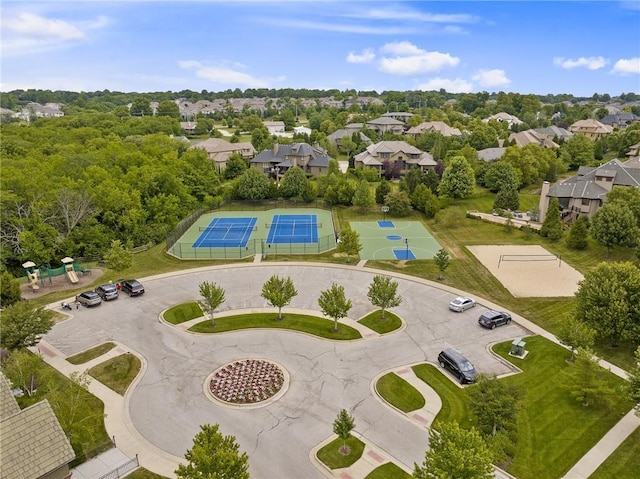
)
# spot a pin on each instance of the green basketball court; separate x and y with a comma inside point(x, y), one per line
point(395, 240)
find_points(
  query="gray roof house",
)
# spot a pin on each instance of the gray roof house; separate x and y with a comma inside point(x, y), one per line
point(312, 159)
point(527, 137)
point(433, 126)
point(585, 192)
point(33, 445)
point(491, 154)
point(385, 153)
point(504, 117)
point(385, 124)
point(620, 119)
point(402, 116)
point(274, 127)
point(555, 131)
point(338, 135)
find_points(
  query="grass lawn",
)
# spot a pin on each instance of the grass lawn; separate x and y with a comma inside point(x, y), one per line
point(142, 473)
point(296, 322)
point(455, 402)
point(92, 353)
point(399, 393)
point(388, 471)
point(183, 312)
point(331, 457)
point(117, 373)
point(554, 429)
point(374, 321)
point(624, 462)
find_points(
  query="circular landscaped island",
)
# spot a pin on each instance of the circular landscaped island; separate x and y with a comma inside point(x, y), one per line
point(248, 382)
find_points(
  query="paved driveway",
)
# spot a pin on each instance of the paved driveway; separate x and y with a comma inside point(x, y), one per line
point(168, 404)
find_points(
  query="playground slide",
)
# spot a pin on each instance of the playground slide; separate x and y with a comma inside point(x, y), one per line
point(73, 277)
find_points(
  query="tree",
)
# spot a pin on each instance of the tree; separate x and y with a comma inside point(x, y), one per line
point(552, 224)
point(458, 180)
point(633, 386)
point(383, 293)
point(507, 199)
point(419, 197)
point(212, 297)
point(342, 426)
point(235, 166)
point(431, 205)
point(333, 303)
point(22, 368)
point(168, 108)
point(294, 182)
point(575, 334)
point(501, 175)
point(253, 185)
point(442, 261)
point(614, 225)
point(214, 456)
point(608, 299)
point(577, 151)
point(383, 189)
point(587, 383)
point(23, 325)
point(140, 107)
point(578, 233)
point(455, 453)
point(399, 203)
point(9, 290)
point(279, 292)
point(495, 403)
point(629, 197)
point(349, 243)
point(118, 258)
point(362, 198)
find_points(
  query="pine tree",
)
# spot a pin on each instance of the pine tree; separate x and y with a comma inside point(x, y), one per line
point(552, 225)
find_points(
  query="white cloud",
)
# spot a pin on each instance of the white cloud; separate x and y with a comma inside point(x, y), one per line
point(27, 33)
point(366, 56)
point(226, 76)
point(409, 59)
point(592, 63)
point(342, 28)
point(452, 86)
point(627, 65)
point(398, 13)
point(490, 78)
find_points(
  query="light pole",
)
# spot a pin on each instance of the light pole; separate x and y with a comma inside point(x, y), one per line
point(406, 241)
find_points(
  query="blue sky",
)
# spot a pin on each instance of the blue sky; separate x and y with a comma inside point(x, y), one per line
point(535, 47)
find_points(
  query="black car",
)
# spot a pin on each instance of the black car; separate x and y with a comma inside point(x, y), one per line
point(132, 287)
point(107, 291)
point(89, 298)
point(460, 366)
point(491, 319)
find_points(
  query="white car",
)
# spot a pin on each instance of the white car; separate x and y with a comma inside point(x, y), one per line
point(462, 303)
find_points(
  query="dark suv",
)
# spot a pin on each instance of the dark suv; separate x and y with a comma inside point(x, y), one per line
point(132, 287)
point(491, 319)
point(107, 291)
point(459, 365)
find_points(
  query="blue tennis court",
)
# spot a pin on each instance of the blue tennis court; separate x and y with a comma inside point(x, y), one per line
point(293, 229)
point(226, 232)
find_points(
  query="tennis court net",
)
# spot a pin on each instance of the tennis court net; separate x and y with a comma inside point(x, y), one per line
point(223, 228)
point(294, 224)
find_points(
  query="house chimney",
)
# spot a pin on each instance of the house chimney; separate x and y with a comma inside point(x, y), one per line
point(276, 147)
point(543, 205)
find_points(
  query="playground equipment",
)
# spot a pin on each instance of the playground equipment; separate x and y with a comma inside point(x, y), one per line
point(69, 271)
point(32, 274)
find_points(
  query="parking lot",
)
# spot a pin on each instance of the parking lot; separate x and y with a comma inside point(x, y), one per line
point(168, 404)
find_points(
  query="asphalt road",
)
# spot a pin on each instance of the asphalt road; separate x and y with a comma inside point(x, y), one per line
point(168, 405)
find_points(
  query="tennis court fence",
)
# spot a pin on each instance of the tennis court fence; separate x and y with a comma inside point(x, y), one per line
point(222, 228)
point(293, 224)
point(185, 250)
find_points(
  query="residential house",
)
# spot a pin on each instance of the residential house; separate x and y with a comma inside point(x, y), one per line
point(590, 128)
point(402, 116)
point(503, 117)
point(274, 127)
point(384, 124)
point(620, 120)
point(354, 127)
point(433, 126)
point(275, 162)
point(491, 154)
point(220, 150)
point(34, 446)
point(554, 132)
point(634, 150)
point(51, 110)
point(528, 137)
point(584, 193)
point(189, 127)
point(338, 135)
point(301, 130)
point(399, 156)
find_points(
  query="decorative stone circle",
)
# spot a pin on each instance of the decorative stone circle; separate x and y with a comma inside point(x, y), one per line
point(247, 382)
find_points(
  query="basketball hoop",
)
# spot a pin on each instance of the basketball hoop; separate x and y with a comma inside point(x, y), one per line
point(385, 210)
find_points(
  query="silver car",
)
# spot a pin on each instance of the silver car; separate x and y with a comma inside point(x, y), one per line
point(89, 298)
point(462, 303)
point(107, 291)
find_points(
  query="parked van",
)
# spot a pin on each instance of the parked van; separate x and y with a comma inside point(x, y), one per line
point(460, 366)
